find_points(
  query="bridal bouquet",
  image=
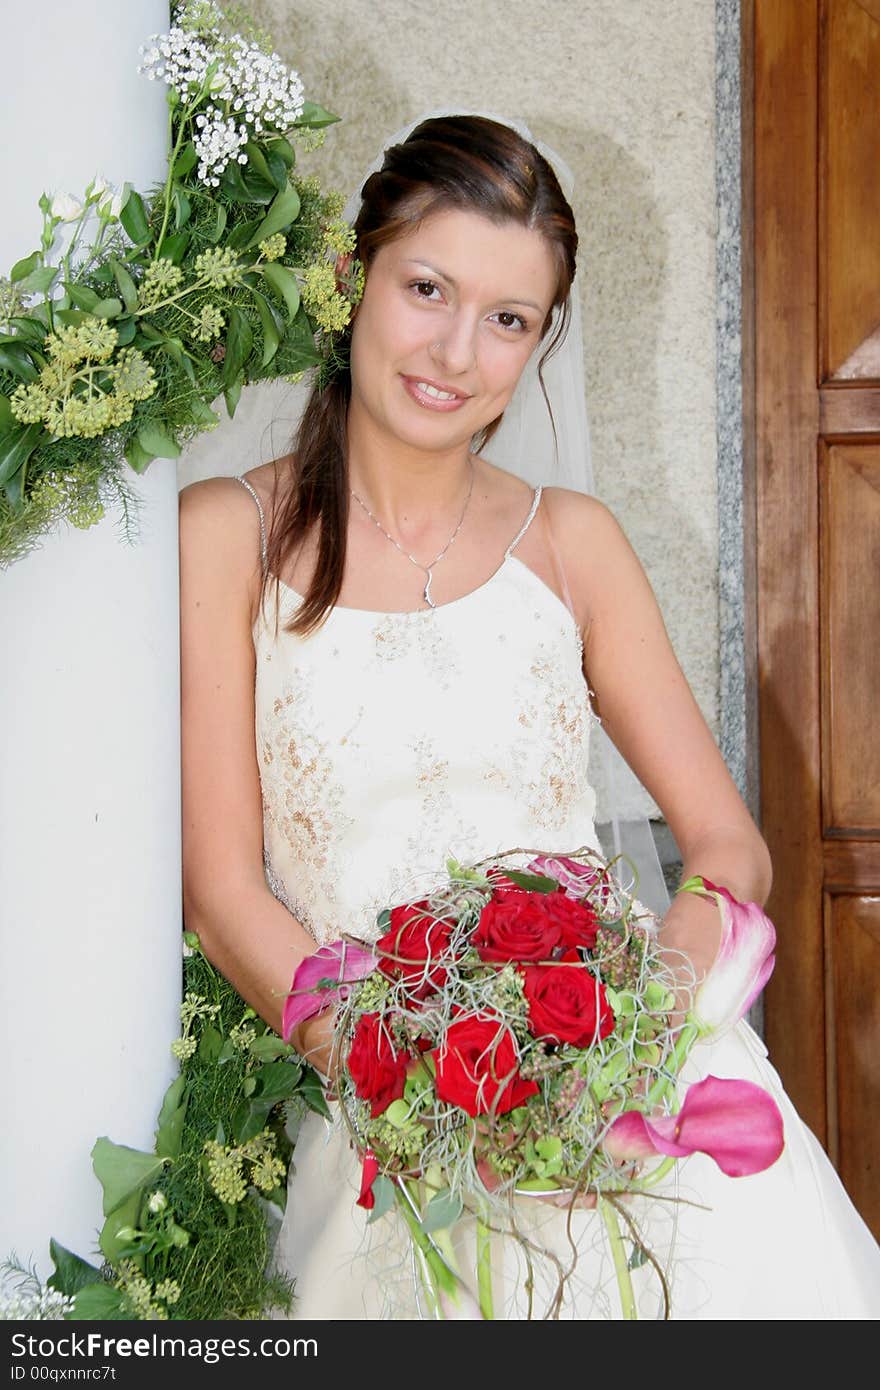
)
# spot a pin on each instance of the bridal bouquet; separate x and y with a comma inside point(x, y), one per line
point(137, 312)
point(514, 1034)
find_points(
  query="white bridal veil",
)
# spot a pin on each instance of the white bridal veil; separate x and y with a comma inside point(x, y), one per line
point(525, 444)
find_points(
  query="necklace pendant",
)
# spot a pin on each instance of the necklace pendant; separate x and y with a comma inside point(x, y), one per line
point(427, 594)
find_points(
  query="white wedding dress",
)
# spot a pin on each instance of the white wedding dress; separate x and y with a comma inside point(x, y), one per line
point(388, 742)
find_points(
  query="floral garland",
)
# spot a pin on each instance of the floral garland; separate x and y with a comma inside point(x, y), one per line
point(189, 1227)
point(115, 351)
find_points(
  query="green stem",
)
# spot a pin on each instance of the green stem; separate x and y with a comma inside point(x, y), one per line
point(172, 160)
point(682, 1046)
point(618, 1254)
point(484, 1270)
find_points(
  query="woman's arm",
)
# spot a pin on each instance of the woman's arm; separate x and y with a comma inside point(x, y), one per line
point(250, 937)
point(649, 712)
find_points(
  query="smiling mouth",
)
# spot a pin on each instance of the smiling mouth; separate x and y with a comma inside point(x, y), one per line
point(431, 391)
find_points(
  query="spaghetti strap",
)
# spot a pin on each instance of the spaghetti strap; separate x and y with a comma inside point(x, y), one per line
point(526, 524)
point(244, 482)
point(558, 567)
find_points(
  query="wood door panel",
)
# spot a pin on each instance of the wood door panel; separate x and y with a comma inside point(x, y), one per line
point(850, 606)
point(816, 391)
point(850, 192)
point(854, 1046)
point(786, 415)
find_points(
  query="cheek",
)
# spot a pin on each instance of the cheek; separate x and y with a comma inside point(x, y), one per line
point(502, 366)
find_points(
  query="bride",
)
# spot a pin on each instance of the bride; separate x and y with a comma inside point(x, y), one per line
point(394, 651)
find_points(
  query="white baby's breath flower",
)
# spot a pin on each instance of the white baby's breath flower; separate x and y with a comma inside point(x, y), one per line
point(65, 207)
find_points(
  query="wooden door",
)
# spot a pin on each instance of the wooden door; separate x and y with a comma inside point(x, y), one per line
point(814, 152)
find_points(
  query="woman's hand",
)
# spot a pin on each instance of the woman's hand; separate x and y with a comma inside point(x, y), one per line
point(313, 1039)
point(690, 936)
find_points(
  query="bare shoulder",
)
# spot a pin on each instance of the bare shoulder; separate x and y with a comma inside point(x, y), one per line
point(586, 532)
point(220, 550)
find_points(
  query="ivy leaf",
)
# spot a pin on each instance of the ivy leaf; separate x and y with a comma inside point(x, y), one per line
point(283, 150)
point(82, 297)
point(182, 208)
point(269, 1047)
point(271, 328)
point(107, 308)
point(71, 1271)
point(247, 187)
point(284, 283)
point(212, 1039)
point(186, 160)
point(22, 269)
point(315, 116)
point(232, 395)
point(638, 1257)
point(273, 172)
point(383, 1197)
point(178, 354)
point(249, 1117)
point(219, 225)
point(125, 330)
point(39, 281)
point(15, 359)
point(169, 1128)
point(31, 330)
point(127, 287)
point(276, 1081)
point(533, 883)
point(239, 341)
point(134, 218)
point(284, 210)
point(174, 247)
point(443, 1210)
point(312, 1091)
point(154, 439)
point(16, 448)
point(137, 456)
point(99, 1303)
point(123, 1172)
point(202, 414)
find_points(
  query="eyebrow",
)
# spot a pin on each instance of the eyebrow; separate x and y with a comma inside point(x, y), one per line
point(504, 299)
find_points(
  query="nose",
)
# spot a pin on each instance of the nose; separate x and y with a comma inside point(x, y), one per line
point(455, 350)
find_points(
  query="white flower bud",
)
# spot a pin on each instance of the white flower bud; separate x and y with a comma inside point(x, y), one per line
point(97, 188)
point(65, 208)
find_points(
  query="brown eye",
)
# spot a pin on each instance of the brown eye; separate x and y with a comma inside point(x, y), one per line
point(506, 319)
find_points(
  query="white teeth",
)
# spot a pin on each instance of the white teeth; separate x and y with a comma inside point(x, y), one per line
point(436, 392)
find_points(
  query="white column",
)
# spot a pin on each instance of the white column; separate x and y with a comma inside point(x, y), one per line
point(89, 726)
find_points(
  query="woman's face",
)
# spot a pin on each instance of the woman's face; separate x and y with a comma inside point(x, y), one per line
point(450, 315)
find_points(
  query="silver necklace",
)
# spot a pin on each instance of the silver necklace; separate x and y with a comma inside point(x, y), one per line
point(426, 569)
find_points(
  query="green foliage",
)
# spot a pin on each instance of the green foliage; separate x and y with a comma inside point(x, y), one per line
point(173, 1247)
point(198, 330)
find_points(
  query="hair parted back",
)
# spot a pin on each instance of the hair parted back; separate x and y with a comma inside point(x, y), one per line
point(468, 163)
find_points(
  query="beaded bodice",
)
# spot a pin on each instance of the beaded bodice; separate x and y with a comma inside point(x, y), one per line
point(388, 742)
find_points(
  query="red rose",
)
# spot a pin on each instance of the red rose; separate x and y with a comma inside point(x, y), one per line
point(477, 1067)
point(568, 1003)
point(377, 1069)
point(369, 1173)
point(517, 926)
point(578, 923)
point(417, 938)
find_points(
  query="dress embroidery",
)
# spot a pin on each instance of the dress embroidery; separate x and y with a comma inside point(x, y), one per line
point(389, 743)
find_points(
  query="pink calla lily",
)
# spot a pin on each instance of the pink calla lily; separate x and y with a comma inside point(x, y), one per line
point(339, 962)
point(736, 1123)
point(742, 967)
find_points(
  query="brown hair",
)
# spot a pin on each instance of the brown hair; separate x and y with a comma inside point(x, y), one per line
point(464, 162)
